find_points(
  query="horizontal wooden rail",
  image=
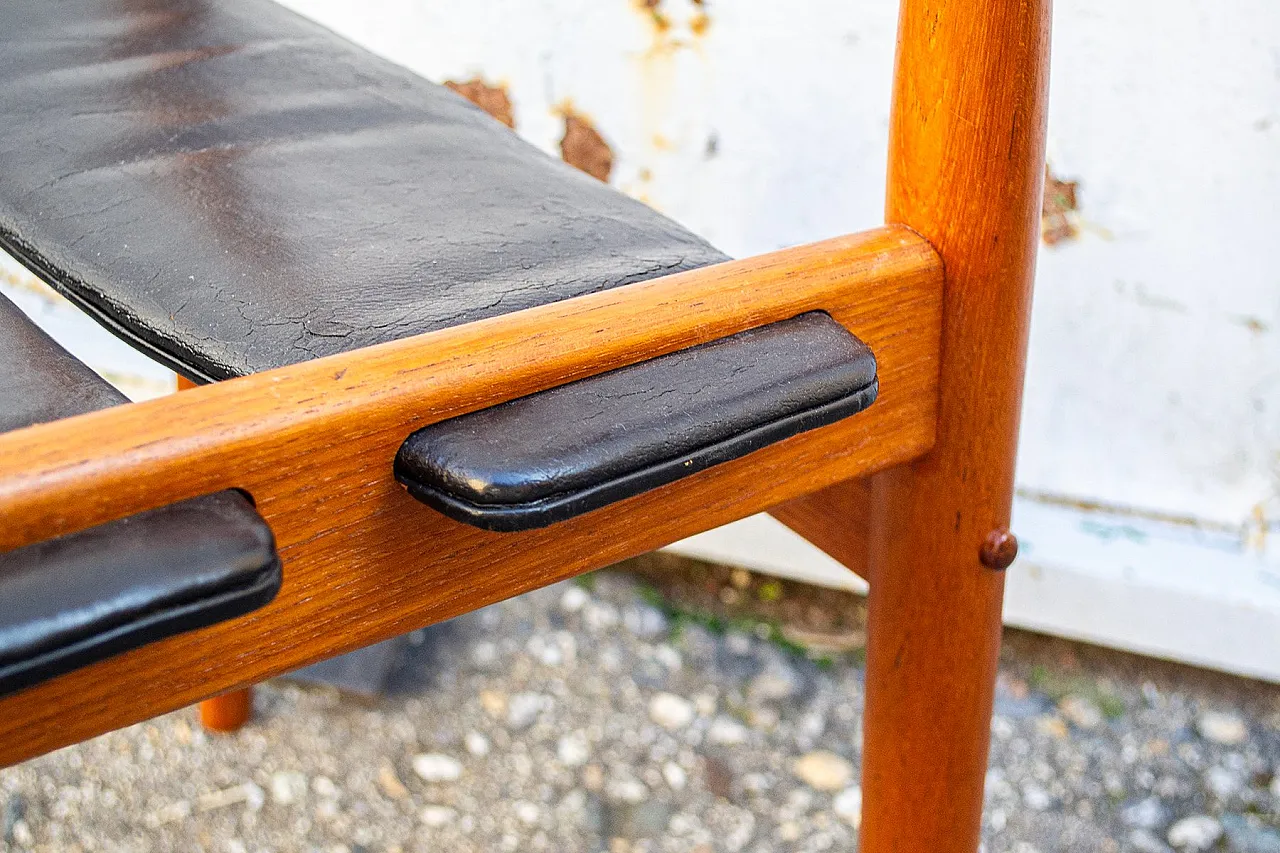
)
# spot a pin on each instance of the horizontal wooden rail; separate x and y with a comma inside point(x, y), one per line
point(314, 442)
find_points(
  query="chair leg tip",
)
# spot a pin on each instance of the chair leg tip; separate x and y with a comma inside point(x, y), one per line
point(227, 713)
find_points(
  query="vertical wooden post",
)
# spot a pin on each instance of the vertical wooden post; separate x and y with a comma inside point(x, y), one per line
point(966, 167)
point(229, 711)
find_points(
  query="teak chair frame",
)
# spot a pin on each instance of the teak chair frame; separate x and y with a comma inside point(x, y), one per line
point(915, 493)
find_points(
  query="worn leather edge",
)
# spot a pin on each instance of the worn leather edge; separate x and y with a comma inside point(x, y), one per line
point(511, 518)
point(64, 284)
point(189, 615)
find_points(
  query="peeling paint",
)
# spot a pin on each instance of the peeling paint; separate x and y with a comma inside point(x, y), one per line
point(1258, 528)
point(694, 21)
point(676, 29)
point(495, 100)
point(1253, 324)
point(1120, 511)
point(1058, 220)
point(582, 145)
point(653, 10)
point(1154, 300)
point(712, 148)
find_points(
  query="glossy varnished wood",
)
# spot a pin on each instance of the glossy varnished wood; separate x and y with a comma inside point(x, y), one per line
point(227, 712)
point(313, 443)
point(837, 519)
point(966, 163)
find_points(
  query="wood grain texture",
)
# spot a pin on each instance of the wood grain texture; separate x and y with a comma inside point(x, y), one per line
point(966, 166)
point(837, 519)
point(313, 443)
point(227, 712)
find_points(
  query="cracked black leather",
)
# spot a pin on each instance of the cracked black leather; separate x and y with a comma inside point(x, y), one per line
point(81, 598)
point(568, 450)
point(231, 188)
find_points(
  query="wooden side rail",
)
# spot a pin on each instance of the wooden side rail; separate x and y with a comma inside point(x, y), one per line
point(313, 444)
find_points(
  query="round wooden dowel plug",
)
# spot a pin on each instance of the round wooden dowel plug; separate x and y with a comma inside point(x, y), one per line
point(999, 550)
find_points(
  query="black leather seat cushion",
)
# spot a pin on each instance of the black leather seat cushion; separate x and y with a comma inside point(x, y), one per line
point(81, 598)
point(562, 452)
point(233, 188)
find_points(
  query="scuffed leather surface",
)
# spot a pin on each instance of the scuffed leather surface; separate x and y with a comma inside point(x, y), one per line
point(77, 599)
point(233, 188)
point(561, 452)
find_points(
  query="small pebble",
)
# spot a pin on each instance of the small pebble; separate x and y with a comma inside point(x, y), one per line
point(848, 806)
point(390, 783)
point(1222, 728)
point(675, 776)
point(434, 767)
point(628, 790)
point(1080, 712)
point(1035, 797)
point(738, 643)
point(494, 703)
point(1198, 832)
point(476, 744)
point(484, 654)
point(645, 621)
point(574, 599)
point(1142, 841)
point(773, 685)
point(524, 709)
point(527, 813)
point(229, 797)
point(21, 832)
point(1146, 814)
point(437, 816)
point(573, 750)
point(727, 732)
point(288, 788)
point(671, 711)
point(324, 787)
point(1223, 783)
point(823, 771)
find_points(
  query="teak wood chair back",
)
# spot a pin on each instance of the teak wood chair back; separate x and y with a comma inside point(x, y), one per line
point(914, 492)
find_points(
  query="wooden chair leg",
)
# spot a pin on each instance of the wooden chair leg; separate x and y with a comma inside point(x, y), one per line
point(230, 711)
point(966, 168)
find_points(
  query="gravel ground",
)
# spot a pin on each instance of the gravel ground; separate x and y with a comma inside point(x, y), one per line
point(595, 716)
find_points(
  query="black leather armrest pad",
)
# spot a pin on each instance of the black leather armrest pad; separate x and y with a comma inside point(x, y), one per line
point(81, 598)
point(78, 599)
point(568, 450)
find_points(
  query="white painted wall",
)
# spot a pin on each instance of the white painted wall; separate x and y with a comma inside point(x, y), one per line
point(1154, 378)
point(1155, 373)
